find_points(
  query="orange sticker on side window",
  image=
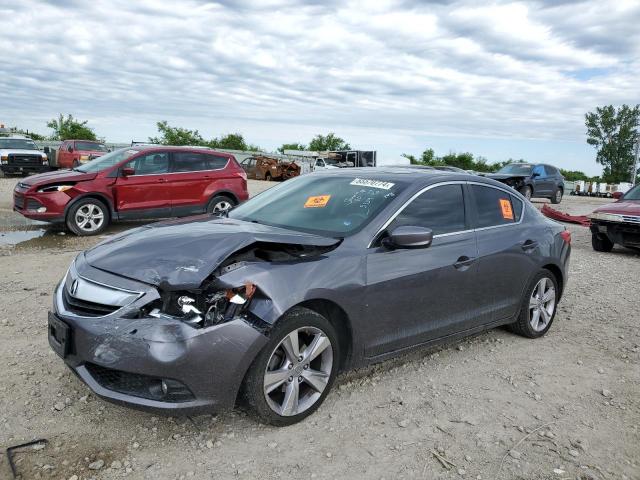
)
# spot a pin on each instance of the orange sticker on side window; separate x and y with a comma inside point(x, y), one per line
point(318, 201)
point(505, 206)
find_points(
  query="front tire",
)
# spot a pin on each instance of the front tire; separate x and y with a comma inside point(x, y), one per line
point(88, 216)
point(538, 306)
point(294, 372)
point(526, 192)
point(601, 243)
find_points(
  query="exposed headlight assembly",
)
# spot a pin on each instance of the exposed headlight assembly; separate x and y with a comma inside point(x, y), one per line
point(54, 188)
point(606, 217)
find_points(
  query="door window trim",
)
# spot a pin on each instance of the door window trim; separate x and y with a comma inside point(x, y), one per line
point(466, 202)
point(170, 153)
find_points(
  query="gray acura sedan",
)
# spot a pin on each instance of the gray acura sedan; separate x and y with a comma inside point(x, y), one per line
point(322, 273)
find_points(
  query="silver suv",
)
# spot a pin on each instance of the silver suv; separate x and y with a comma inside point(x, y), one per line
point(20, 154)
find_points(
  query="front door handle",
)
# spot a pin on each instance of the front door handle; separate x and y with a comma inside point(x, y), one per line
point(161, 180)
point(464, 261)
point(529, 245)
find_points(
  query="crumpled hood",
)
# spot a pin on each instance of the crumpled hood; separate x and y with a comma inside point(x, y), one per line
point(57, 176)
point(181, 254)
point(621, 207)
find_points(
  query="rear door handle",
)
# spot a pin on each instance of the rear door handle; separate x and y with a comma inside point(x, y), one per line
point(529, 245)
point(464, 261)
point(161, 180)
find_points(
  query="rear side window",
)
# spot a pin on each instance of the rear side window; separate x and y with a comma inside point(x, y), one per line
point(215, 162)
point(441, 209)
point(495, 207)
point(189, 162)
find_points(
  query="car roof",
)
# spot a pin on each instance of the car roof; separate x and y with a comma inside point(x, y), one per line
point(154, 147)
point(16, 137)
point(412, 174)
point(81, 140)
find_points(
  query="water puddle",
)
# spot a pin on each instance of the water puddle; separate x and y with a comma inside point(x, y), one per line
point(37, 238)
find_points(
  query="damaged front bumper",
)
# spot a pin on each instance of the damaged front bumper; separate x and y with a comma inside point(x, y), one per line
point(159, 364)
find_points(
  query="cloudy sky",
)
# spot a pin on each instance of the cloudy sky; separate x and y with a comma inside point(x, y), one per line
point(507, 79)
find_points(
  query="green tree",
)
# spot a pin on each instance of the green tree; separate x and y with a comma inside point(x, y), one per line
point(573, 175)
point(70, 128)
point(177, 136)
point(291, 146)
point(322, 143)
point(613, 132)
point(232, 141)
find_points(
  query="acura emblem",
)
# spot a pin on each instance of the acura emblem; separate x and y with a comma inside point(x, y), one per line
point(74, 287)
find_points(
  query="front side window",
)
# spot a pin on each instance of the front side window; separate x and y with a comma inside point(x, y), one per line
point(440, 209)
point(495, 207)
point(189, 162)
point(151, 164)
point(330, 206)
point(106, 161)
point(539, 170)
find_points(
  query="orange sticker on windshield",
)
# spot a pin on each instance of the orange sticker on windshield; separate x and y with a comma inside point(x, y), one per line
point(318, 201)
point(505, 206)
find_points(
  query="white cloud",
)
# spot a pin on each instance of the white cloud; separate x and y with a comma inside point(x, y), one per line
point(392, 74)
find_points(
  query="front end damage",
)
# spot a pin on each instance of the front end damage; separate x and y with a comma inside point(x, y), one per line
point(168, 346)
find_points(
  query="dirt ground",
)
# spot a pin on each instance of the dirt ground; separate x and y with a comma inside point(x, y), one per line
point(495, 406)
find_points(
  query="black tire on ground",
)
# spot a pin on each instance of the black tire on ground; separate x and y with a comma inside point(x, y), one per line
point(75, 164)
point(219, 204)
point(267, 177)
point(601, 243)
point(526, 192)
point(253, 394)
point(557, 196)
point(88, 216)
point(522, 326)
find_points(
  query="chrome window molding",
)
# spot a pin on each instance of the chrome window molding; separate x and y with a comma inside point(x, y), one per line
point(455, 182)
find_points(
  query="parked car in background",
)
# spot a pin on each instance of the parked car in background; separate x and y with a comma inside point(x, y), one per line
point(73, 153)
point(617, 223)
point(269, 168)
point(20, 155)
point(532, 181)
point(326, 272)
point(131, 183)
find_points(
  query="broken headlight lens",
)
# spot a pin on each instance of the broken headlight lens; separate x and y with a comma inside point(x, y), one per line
point(204, 309)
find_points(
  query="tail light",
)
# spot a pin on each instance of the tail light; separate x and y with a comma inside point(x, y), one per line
point(566, 236)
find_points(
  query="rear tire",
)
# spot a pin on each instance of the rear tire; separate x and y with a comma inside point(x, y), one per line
point(88, 216)
point(75, 164)
point(219, 204)
point(526, 192)
point(601, 243)
point(267, 177)
point(538, 307)
point(557, 196)
point(277, 376)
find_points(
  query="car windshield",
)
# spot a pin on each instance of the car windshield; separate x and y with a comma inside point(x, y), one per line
point(91, 147)
point(18, 144)
point(633, 194)
point(331, 206)
point(515, 169)
point(106, 161)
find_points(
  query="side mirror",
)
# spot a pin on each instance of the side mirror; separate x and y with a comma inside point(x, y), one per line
point(46, 149)
point(70, 148)
point(618, 195)
point(128, 171)
point(409, 237)
point(535, 174)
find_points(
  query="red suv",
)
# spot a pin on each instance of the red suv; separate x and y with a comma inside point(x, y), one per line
point(131, 183)
point(73, 153)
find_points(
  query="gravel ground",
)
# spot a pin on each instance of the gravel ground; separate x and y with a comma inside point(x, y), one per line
point(493, 406)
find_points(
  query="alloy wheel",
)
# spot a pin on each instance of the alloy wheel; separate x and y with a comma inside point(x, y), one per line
point(89, 217)
point(298, 371)
point(558, 195)
point(542, 304)
point(221, 206)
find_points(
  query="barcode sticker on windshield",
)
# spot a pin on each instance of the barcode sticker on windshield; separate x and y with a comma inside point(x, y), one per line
point(365, 182)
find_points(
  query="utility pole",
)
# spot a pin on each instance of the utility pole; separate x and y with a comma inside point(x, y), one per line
point(634, 172)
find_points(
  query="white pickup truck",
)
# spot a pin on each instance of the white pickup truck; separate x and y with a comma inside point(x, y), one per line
point(19, 154)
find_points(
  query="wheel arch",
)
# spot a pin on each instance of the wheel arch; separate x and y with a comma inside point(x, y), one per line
point(97, 196)
point(226, 193)
point(339, 320)
point(557, 273)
